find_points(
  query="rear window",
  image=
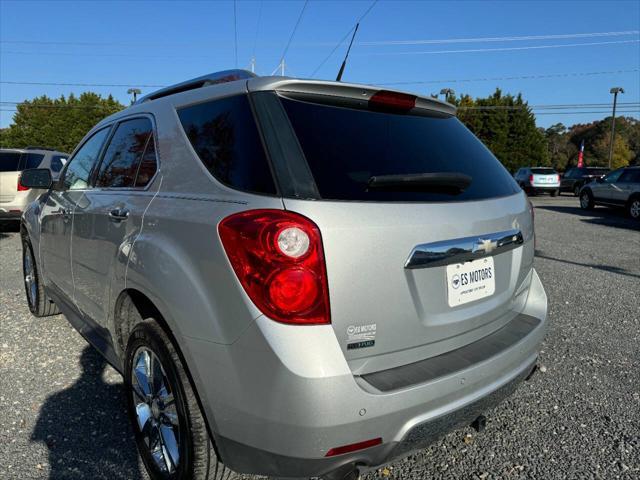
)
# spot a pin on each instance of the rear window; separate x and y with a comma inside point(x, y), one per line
point(224, 135)
point(346, 147)
point(57, 162)
point(9, 161)
point(543, 171)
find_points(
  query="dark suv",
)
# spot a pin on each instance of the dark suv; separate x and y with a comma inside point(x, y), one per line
point(575, 178)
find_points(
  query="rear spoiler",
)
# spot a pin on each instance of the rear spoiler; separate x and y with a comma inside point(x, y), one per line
point(351, 95)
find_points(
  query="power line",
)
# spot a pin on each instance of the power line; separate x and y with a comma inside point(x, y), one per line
point(125, 85)
point(499, 39)
point(513, 77)
point(235, 31)
point(293, 32)
point(502, 49)
point(344, 38)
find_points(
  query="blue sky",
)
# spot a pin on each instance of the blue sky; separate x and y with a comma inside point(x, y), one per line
point(159, 43)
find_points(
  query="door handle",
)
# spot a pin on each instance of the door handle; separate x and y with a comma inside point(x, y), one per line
point(119, 214)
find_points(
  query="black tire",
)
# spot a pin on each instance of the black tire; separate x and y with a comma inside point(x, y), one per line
point(633, 207)
point(38, 301)
point(576, 190)
point(554, 193)
point(586, 200)
point(197, 457)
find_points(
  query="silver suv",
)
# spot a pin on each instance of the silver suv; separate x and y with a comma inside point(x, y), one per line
point(14, 196)
point(295, 278)
point(620, 188)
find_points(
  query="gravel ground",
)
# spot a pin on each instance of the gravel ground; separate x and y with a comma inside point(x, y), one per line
point(62, 412)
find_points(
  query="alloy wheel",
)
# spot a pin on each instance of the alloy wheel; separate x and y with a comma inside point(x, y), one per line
point(634, 209)
point(156, 410)
point(584, 200)
point(30, 278)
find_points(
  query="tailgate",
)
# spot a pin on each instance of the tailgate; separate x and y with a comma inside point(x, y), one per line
point(8, 186)
point(385, 314)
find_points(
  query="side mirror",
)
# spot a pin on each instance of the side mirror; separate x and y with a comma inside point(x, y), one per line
point(36, 178)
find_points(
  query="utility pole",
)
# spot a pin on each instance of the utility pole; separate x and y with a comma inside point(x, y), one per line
point(615, 91)
point(135, 92)
point(253, 64)
point(282, 67)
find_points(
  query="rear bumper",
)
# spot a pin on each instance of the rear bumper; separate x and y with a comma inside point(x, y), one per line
point(543, 188)
point(10, 213)
point(280, 397)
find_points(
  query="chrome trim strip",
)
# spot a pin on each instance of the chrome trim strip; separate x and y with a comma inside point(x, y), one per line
point(461, 250)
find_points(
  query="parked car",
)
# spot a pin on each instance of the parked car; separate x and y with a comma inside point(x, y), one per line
point(620, 188)
point(534, 180)
point(296, 278)
point(14, 197)
point(575, 178)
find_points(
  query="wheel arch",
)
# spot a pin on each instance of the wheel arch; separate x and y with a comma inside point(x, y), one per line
point(125, 321)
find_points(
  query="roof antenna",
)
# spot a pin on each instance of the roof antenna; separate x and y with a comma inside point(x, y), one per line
point(344, 62)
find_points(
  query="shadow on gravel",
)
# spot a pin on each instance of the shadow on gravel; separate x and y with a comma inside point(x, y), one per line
point(607, 217)
point(606, 268)
point(86, 428)
point(8, 227)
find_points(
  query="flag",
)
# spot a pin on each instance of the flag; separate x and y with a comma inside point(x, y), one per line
point(581, 155)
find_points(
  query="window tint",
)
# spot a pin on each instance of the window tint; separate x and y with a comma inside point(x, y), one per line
point(224, 135)
point(122, 157)
point(148, 164)
point(543, 171)
point(57, 162)
point(613, 176)
point(630, 176)
point(77, 174)
point(32, 160)
point(346, 147)
point(9, 161)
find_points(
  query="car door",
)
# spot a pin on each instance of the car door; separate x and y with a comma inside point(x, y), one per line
point(108, 219)
point(604, 190)
point(566, 182)
point(626, 185)
point(57, 214)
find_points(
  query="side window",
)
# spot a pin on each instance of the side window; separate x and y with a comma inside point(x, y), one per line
point(57, 162)
point(630, 176)
point(613, 176)
point(32, 160)
point(76, 176)
point(571, 173)
point(123, 156)
point(148, 164)
point(224, 135)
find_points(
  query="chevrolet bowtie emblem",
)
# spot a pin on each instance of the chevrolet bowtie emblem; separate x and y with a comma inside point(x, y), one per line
point(487, 245)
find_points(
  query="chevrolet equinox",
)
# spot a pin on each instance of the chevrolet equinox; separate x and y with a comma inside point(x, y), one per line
point(295, 278)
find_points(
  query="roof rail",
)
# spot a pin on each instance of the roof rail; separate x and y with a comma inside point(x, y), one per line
point(199, 82)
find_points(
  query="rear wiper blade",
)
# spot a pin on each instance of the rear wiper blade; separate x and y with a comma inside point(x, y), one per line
point(448, 183)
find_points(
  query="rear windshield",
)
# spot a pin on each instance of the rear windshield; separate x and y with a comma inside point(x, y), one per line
point(346, 147)
point(9, 161)
point(543, 171)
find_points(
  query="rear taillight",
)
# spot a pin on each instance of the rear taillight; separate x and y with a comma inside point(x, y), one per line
point(531, 179)
point(557, 178)
point(279, 260)
point(21, 188)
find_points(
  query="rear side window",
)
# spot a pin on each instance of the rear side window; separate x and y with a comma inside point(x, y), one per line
point(9, 161)
point(76, 176)
point(224, 135)
point(32, 160)
point(346, 147)
point(57, 162)
point(630, 176)
point(122, 157)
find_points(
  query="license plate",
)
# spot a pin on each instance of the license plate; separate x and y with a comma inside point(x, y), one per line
point(470, 281)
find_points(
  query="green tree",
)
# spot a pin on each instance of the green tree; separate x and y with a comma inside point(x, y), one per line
point(57, 123)
point(507, 126)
